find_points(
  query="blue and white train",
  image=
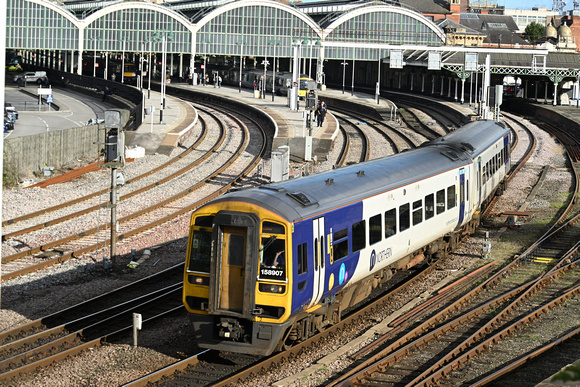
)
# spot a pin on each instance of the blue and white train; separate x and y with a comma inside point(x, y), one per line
point(268, 267)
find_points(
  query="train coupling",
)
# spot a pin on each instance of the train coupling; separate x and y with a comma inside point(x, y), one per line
point(230, 329)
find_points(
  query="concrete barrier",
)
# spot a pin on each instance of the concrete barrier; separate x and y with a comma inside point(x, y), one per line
point(29, 154)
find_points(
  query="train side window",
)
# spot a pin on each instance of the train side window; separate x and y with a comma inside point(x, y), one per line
point(340, 244)
point(375, 229)
point(417, 212)
point(429, 206)
point(358, 236)
point(451, 199)
point(440, 201)
point(302, 258)
point(390, 222)
point(484, 173)
point(404, 217)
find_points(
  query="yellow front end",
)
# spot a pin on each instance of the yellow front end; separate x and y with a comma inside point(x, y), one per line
point(237, 280)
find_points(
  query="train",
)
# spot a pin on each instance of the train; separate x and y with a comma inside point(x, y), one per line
point(268, 267)
point(283, 80)
point(113, 68)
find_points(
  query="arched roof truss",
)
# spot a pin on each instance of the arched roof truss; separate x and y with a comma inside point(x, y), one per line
point(254, 28)
point(379, 24)
point(130, 26)
point(36, 24)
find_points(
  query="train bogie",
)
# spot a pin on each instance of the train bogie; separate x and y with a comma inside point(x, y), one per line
point(271, 266)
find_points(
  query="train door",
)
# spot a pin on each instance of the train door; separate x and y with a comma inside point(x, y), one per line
point(233, 262)
point(462, 195)
point(319, 260)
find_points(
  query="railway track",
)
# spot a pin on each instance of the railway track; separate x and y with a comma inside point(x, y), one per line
point(88, 324)
point(144, 218)
point(245, 375)
point(356, 145)
point(486, 316)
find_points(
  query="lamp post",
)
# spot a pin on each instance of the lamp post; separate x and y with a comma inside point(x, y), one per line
point(263, 91)
point(94, 39)
point(124, 40)
point(205, 42)
point(165, 37)
point(378, 89)
point(150, 41)
point(352, 87)
point(241, 43)
point(274, 44)
point(344, 64)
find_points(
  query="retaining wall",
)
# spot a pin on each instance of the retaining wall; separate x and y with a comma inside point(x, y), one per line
point(59, 148)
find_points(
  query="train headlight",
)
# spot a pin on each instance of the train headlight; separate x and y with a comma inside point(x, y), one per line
point(198, 280)
point(269, 288)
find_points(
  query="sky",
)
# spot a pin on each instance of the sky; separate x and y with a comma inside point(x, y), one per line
point(528, 4)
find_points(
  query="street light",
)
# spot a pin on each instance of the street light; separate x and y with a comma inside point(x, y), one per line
point(124, 40)
point(165, 38)
point(344, 64)
point(150, 41)
point(94, 39)
point(205, 42)
point(241, 43)
point(263, 91)
point(274, 44)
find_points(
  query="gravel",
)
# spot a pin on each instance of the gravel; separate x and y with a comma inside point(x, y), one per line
point(25, 299)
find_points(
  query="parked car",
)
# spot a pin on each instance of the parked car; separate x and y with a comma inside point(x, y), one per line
point(8, 124)
point(10, 109)
point(31, 76)
point(11, 115)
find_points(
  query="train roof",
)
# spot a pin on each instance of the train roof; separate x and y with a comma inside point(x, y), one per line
point(305, 197)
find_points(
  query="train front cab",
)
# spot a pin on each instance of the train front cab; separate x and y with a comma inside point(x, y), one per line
point(236, 280)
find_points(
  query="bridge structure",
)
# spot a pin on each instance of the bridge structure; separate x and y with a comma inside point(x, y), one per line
point(380, 42)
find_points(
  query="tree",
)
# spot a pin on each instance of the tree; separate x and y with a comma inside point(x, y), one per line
point(534, 31)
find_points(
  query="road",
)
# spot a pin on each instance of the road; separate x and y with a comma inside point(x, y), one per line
point(75, 110)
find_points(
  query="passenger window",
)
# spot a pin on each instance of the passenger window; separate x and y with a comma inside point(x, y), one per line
point(375, 229)
point(417, 212)
point(358, 236)
point(451, 197)
point(404, 214)
point(440, 201)
point(340, 244)
point(302, 258)
point(390, 222)
point(429, 206)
